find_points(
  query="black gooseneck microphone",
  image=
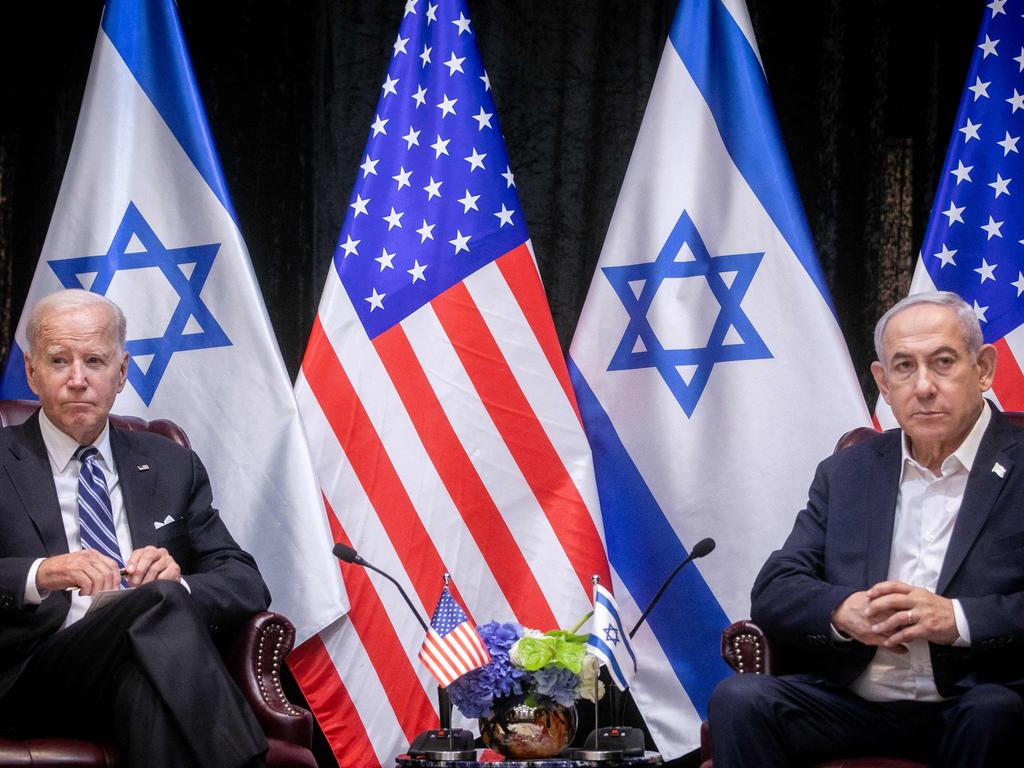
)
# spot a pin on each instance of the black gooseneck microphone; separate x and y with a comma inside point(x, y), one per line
point(346, 554)
point(445, 743)
point(701, 548)
point(608, 743)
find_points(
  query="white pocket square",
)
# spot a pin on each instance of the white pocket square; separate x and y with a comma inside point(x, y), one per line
point(158, 525)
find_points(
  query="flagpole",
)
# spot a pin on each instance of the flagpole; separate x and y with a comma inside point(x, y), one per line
point(444, 701)
point(595, 580)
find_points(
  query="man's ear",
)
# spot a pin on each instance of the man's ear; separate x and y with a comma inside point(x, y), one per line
point(987, 366)
point(878, 371)
point(124, 371)
point(30, 374)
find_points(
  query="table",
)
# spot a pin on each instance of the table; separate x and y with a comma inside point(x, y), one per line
point(648, 758)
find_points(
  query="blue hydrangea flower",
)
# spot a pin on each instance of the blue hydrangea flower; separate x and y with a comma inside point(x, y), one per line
point(557, 684)
point(475, 692)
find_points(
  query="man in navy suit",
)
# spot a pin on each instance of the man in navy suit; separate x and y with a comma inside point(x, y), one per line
point(143, 670)
point(900, 590)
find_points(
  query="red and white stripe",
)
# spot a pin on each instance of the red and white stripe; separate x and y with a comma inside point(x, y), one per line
point(450, 657)
point(451, 442)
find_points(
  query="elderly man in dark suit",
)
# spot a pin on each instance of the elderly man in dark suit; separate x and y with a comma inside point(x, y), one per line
point(84, 509)
point(901, 586)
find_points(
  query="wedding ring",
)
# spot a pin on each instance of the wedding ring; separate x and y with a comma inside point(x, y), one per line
point(910, 618)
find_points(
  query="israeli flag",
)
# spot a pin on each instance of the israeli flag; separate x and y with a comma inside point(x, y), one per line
point(709, 366)
point(143, 217)
point(609, 640)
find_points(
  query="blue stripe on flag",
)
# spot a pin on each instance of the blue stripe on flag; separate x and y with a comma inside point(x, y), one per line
point(610, 661)
point(725, 68)
point(149, 38)
point(614, 613)
point(14, 385)
point(688, 621)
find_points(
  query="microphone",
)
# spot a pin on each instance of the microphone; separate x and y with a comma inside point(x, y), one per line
point(613, 743)
point(346, 554)
point(444, 743)
point(701, 548)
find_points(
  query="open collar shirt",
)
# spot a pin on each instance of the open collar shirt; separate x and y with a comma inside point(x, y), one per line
point(926, 510)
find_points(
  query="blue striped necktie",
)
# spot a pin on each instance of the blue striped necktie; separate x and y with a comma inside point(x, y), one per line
point(95, 514)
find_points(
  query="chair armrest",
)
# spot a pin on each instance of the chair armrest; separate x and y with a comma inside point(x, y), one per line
point(746, 649)
point(254, 660)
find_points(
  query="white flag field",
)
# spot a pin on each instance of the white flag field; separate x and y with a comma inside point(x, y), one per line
point(144, 218)
point(710, 369)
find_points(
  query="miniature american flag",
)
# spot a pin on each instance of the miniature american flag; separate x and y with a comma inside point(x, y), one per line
point(452, 647)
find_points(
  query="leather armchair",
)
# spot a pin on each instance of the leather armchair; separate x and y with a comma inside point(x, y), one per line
point(254, 657)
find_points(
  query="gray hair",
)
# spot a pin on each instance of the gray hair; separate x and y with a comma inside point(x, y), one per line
point(968, 320)
point(74, 298)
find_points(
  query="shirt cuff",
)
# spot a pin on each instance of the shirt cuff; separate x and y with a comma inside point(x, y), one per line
point(838, 636)
point(32, 594)
point(185, 584)
point(962, 627)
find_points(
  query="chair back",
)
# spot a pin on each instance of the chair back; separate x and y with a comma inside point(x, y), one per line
point(13, 412)
point(859, 434)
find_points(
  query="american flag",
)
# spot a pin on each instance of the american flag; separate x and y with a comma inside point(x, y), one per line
point(452, 647)
point(974, 242)
point(436, 398)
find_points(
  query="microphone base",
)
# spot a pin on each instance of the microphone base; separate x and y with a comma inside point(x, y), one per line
point(443, 744)
point(616, 741)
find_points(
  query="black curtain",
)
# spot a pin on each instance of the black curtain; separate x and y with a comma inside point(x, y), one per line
point(866, 92)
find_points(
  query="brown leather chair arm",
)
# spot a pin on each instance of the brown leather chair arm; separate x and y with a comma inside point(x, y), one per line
point(254, 660)
point(746, 649)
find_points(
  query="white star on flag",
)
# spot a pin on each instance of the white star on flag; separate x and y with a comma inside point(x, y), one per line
point(461, 241)
point(970, 131)
point(946, 256)
point(986, 271)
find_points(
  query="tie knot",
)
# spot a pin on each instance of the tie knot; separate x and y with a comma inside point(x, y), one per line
point(86, 452)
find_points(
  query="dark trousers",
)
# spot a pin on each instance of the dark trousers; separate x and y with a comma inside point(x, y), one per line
point(144, 673)
point(796, 720)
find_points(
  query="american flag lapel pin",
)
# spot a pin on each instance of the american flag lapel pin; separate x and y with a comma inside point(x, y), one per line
point(143, 467)
point(999, 469)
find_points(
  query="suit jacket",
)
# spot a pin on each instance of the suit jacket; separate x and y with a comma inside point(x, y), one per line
point(158, 478)
point(841, 543)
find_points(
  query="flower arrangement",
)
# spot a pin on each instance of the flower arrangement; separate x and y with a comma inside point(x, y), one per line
point(527, 667)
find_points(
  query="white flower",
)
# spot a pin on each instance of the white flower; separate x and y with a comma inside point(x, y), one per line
point(513, 655)
point(589, 678)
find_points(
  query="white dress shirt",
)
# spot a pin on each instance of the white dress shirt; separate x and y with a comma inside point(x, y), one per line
point(60, 448)
point(926, 510)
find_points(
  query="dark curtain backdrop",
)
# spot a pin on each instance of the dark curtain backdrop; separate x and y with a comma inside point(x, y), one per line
point(866, 92)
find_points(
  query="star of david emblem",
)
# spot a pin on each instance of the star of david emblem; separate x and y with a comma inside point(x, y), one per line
point(611, 634)
point(640, 346)
point(181, 334)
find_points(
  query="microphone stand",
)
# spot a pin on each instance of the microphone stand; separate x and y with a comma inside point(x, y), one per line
point(614, 742)
point(445, 742)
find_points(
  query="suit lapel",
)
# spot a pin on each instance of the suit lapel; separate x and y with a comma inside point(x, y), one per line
point(983, 488)
point(138, 480)
point(880, 508)
point(32, 478)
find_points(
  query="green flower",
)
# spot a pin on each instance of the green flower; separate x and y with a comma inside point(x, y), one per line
point(557, 648)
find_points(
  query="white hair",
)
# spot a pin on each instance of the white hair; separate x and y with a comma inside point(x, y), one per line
point(74, 298)
point(967, 319)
